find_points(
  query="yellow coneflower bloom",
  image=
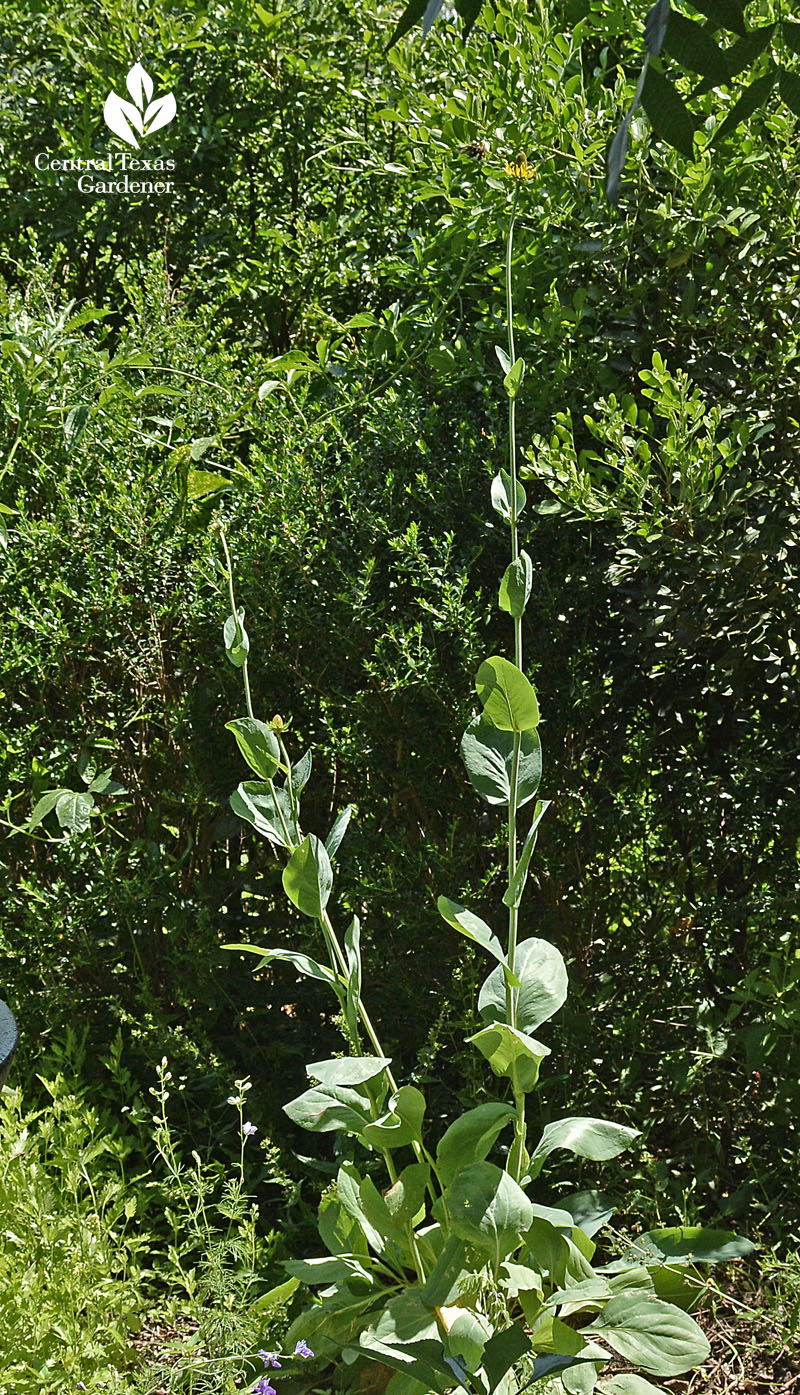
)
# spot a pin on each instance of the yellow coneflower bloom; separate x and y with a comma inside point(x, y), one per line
point(521, 169)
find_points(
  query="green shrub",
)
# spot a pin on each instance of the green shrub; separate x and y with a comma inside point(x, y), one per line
point(73, 1256)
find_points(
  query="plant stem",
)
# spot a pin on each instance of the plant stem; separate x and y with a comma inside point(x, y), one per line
point(337, 953)
point(517, 1155)
point(248, 699)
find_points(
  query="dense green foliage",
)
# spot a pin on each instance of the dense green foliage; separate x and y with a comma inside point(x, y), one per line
point(321, 178)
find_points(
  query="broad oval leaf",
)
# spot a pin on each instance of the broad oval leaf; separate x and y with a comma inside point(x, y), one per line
point(512, 382)
point(338, 830)
point(402, 1124)
point(687, 1244)
point(656, 1336)
point(74, 810)
point(349, 1190)
point(515, 588)
point(258, 744)
point(276, 1297)
point(405, 1320)
point(301, 772)
point(471, 1137)
point(595, 1139)
point(43, 806)
point(407, 1195)
point(327, 1108)
point(467, 1334)
point(502, 1352)
point(488, 1209)
point(308, 877)
point(541, 970)
point(629, 1384)
point(506, 695)
point(237, 645)
point(406, 1337)
point(590, 1210)
point(488, 755)
point(506, 500)
point(347, 1070)
point(511, 1053)
point(268, 810)
point(548, 1364)
point(452, 1268)
point(326, 1270)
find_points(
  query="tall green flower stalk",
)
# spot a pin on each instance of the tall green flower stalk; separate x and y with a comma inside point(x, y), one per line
point(452, 1275)
point(517, 1157)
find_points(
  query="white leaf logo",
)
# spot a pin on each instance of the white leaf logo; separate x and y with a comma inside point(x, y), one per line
point(159, 113)
point(140, 85)
point(118, 114)
point(134, 121)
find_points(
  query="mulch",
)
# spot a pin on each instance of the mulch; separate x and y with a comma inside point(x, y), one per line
point(751, 1353)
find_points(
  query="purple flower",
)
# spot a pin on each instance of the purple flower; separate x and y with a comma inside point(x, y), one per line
point(304, 1350)
point(270, 1359)
point(264, 1387)
point(249, 1129)
point(80, 1385)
